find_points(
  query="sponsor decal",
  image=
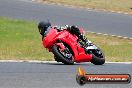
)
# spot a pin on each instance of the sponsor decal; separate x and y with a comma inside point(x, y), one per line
point(83, 78)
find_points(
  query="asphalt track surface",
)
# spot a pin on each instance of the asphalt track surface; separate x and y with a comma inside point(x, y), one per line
point(55, 75)
point(96, 21)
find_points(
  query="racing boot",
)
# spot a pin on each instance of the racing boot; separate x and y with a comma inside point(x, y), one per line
point(84, 39)
point(86, 44)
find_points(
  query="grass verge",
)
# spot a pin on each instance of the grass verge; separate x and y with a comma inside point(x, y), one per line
point(115, 5)
point(20, 40)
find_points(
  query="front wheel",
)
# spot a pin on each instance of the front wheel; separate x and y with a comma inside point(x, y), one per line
point(65, 56)
point(98, 57)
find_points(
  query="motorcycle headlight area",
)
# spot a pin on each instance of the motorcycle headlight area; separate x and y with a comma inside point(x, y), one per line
point(91, 47)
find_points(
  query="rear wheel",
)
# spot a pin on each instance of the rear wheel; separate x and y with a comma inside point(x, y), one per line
point(98, 57)
point(64, 56)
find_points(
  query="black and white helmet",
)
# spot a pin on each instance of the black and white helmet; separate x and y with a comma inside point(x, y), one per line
point(42, 26)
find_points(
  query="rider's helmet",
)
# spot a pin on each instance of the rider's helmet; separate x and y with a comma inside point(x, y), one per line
point(42, 26)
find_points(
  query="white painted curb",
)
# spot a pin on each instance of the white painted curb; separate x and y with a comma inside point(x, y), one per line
point(110, 35)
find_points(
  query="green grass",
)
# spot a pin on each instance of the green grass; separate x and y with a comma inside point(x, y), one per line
point(20, 40)
point(116, 5)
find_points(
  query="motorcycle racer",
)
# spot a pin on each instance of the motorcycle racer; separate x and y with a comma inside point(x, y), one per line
point(69, 45)
point(45, 26)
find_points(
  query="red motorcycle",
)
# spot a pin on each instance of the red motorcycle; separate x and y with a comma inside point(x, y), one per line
point(67, 49)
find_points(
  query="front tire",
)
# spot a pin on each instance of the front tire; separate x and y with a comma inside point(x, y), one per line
point(98, 57)
point(61, 57)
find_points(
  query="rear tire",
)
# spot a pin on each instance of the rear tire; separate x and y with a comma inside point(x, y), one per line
point(61, 57)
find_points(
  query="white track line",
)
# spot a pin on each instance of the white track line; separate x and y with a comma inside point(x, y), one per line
point(37, 61)
point(89, 9)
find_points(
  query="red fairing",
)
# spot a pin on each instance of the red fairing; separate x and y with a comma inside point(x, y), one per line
point(48, 41)
point(54, 37)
